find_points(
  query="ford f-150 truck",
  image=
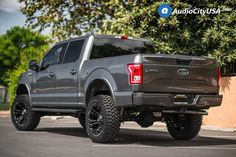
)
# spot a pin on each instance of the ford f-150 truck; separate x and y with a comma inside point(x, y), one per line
point(104, 80)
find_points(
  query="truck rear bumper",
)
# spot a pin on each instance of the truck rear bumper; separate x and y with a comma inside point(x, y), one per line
point(168, 100)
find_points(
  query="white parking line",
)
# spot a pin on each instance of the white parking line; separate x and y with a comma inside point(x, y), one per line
point(168, 147)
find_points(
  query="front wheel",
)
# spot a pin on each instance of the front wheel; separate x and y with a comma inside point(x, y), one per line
point(102, 119)
point(183, 127)
point(22, 116)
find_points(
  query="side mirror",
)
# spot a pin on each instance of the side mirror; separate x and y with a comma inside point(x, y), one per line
point(33, 65)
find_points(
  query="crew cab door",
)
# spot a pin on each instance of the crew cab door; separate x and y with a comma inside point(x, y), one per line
point(43, 85)
point(66, 89)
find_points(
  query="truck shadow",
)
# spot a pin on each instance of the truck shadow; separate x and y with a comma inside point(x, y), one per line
point(145, 137)
point(68, 131)
point(158, 138)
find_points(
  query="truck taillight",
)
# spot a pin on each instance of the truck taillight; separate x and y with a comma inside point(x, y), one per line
point(218, 76)
point(124, 37)
point(135, 73)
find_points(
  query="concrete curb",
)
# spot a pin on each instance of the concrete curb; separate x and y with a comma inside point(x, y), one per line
point(155, 125)
point(5, 114)
point(57, 117)
point(209, 127)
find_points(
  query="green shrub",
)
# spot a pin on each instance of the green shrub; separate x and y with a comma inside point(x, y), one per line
point(25, 45)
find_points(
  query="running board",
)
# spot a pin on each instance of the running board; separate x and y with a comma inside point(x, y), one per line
point(186, 112)
point(52, 110)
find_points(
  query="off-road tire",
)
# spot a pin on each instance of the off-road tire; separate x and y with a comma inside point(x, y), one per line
point(32, 118)
point(191, 126)
point(110, 117)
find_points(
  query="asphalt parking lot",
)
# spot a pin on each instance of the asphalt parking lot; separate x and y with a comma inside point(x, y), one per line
point(66, 138)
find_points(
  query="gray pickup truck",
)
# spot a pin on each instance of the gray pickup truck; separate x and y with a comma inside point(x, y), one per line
point(104, 80)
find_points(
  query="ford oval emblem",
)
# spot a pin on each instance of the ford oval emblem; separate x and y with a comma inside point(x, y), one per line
point(183, 72)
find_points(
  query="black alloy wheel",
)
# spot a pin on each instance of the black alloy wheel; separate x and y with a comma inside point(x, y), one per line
point(95, 119)
point(22, 116)
point(20, 113)
point(184, 126)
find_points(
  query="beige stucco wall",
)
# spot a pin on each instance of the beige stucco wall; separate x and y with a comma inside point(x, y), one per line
point(225, 115)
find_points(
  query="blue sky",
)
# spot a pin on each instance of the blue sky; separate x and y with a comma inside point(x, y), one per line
point(10, 15)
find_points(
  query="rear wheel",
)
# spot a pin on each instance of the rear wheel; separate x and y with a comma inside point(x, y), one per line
point(184, 127)
point(102, 119)
point(22, 115)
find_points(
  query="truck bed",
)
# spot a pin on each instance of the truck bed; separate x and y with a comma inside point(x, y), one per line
point(179, 74)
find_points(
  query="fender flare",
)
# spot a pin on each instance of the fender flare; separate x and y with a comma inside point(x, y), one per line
point(23, 84)
point(105, 76)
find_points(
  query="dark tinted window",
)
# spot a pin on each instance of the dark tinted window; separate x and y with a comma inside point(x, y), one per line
point(108, 47)
point(54, 56)
point(73, 51)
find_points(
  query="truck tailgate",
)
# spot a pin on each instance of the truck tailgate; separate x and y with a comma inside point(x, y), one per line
point(179, 74)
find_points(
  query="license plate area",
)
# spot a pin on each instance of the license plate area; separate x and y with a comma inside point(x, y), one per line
point(182, 99)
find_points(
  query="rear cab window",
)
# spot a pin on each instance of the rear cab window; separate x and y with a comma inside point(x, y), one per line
point(110, 47)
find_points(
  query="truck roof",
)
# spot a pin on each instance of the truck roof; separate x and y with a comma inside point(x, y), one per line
point(100, 36)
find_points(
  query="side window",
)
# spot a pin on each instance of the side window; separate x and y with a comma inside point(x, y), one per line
point(73, 51)
point(54, 56)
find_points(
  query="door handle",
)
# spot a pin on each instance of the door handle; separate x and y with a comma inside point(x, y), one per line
point(51, 74)
point(29, 74)
point(73, 72)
